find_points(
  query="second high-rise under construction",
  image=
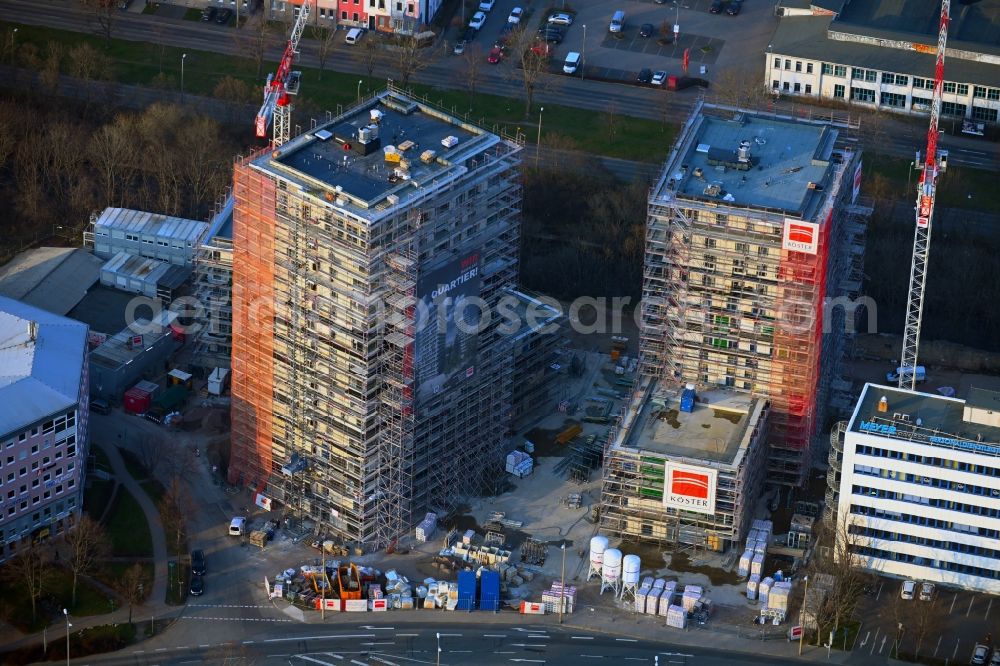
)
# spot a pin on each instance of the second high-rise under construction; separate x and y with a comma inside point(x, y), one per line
point(366, 386)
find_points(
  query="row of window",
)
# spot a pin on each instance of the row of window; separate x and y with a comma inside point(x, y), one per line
point(890, 78)
point(47, 495)
point(22, 455)
point(923, 521)
point(949, 505)
point(927, 481)
point(951, 546)
point(920, 561)
point(933, 461)
point(36, 482)
point(46, 464)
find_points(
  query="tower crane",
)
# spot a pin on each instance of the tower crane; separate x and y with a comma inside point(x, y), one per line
point(934, 162)
point(282, 83)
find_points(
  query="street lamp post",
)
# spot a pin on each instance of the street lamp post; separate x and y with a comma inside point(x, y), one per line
point(562, 583)
point(13, 44)
point(68, 625)
point(183, 58)
point(439, 649)
point(359, 89)
point(583, 55)
point(802, 615)
point(538, 144)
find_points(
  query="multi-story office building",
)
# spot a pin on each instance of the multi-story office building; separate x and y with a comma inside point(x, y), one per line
point(43, 423)
point(213, 287)
point(881, 55)
point(754, 233)
point(365, 389)
point(920, 487)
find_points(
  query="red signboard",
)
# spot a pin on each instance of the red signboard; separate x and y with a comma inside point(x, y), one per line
point(690, 484)
point(922, 222)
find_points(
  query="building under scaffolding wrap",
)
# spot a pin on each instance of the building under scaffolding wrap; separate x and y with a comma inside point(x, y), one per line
point(364, 391)
point(753, 261)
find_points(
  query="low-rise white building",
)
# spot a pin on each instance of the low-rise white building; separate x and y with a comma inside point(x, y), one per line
point(877, 55)
point(920, 490)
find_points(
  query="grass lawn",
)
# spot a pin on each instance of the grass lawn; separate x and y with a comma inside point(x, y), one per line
point(154, 489)
point(150, 8)
point(58, 593)
point(97, 495)
point(114, 571)
point(177, 590)
point(192, 15)
point(130, 536)
point(95, 640)
point(133, 465)
point(100, 458)
point(954, 186)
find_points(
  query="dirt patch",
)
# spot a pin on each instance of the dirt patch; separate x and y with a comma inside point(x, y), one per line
point(732, 417)
point(681, 563)
point(670, 416)
point(544, 440)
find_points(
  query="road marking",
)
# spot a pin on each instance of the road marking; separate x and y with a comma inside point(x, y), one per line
point(332, 654)
point(970, 606)
point(371, 628)
point(161, 649)
point(581, 638)
point(228, 606)
point(313, 638)
point(953, 600)
point(874, 640)
point(938, 646)
point(528, 645)
point(627, 640)
point(380, 643)
point(635, 659)
point(955, 652)
point(314, 660)
point(442, 635)
point(233, 619)
point(865, 641)
point(988, 607)
point(359, 663)
point(458, 651)
point(494, 635)
point(879, 590)
point(205, 645)
point(592, 656)
point(407, 634)
point(882, 646)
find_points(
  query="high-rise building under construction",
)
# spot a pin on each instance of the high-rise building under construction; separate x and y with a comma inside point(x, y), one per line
point(753, 226)
point(368, 386)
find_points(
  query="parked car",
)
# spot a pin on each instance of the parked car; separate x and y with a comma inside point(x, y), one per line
point(468, 35)
point(460, 48)
point(907, 590)
point(995, 660)
point(716, 7)
point(645, 75)
point(734, 7)
point(208, 14)
point(553, 36)
point(927, 591)
point(124, 4)
point(495, 55)
point(561, 19)
point(659, 78)
point(100, 406)
point(572, 63)
point(478, 19)
point(197, 587)
point(515, 15)
point(979, 654)
point(541, 49)
point(486, 5)
point(224, 16)
point(198, 562)
point(646, 30)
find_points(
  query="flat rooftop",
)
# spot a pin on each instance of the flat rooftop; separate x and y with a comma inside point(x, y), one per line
point(103, 309)
point(788, 166)
point(221, 226)
point(976, 23)
point(118, 350)
point(54, 279)
point(713, 432)
point(939, 417)
point(151, 224)
point(336, 162)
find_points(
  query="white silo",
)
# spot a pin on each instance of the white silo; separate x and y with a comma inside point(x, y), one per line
point(631, 564)
point(611, 570)
point(598, 546)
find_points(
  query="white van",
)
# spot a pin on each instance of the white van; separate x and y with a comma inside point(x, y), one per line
point(573, 61)
point(354, 35)
point(894, 376)
point(617, 21)
point(237, 526)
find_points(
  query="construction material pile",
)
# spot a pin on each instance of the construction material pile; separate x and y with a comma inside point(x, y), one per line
point(552, 596)
point(425, 530)
point(756, 545)
point(519, 463)
point(534, 552)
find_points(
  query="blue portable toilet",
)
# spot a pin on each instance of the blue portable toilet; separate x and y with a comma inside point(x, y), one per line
point(688, 398)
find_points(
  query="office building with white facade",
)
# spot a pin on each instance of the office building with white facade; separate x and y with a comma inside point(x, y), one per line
point(881, 55)
point(920, 487)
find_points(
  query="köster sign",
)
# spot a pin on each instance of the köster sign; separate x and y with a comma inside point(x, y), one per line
point(690, 488)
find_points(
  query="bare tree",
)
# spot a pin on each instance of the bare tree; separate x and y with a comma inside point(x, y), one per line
point(531, 59)
point(110, 151)
point(104, 13)
point(666, 31)
point(409, 60)
point(153, 452)
point(472, 69)
point(841, 562)
point(255, 39)
point(367, 56)
point(326, 38)
point(174, 507)
point(235, 91)
point(30, 569)
point(131, 586)
point(49, 75)
point(923, 619)
point(611, 121)
point(88, 544)
point(740, 88)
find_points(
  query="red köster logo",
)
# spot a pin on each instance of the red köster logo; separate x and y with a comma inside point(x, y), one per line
point(801, 233)
point(689, 484)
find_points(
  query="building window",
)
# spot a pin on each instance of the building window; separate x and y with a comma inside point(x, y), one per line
point(922, 83)
point(993, 94)
point(809, 89)
point(949, 87)
point(979, 91)
point(952, 109)
point(840, 70)
point(798, 87)
point(809, 68)
point(963, 89)
point(920, 104)
point(786, 86)
point(989, 115)
point(798, 65)
point(827, 68)
point(838, 91)
point(774, 84)
point(354, 16)
point(862, 95)
point(343, 15)
point(788, 64)
point(777, 63)
point(894, 100)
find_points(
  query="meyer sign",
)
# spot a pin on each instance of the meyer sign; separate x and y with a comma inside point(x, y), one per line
point(689, 488)
point(800, 236)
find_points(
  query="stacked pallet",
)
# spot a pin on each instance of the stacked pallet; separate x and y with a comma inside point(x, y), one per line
point(692, 594)
point(551, 597)
point(425, 530)
point(676, 617)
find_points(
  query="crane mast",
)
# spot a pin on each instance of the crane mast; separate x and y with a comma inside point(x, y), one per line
point(926, 194)
point(280, 85)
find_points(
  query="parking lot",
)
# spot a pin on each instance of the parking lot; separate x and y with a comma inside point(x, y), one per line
point(951, 624)
point(715, 42)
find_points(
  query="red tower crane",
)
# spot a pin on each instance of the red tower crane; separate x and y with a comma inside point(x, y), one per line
point(282, 83)
point(935, 162)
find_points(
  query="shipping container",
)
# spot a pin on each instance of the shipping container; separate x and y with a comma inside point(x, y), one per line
point(137, 401)
point(466, 591)
point(489, 591)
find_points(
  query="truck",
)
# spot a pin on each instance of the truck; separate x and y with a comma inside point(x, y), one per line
point(218, 381)
point(921, 372)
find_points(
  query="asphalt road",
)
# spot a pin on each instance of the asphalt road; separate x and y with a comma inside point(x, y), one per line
point(399, 644)
point(902, 137)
